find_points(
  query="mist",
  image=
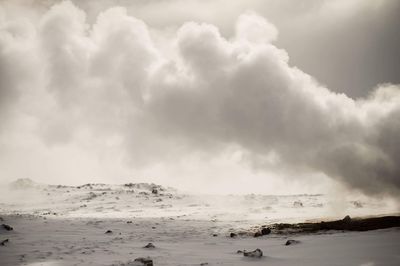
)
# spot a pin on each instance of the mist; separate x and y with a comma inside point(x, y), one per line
point(94, 93)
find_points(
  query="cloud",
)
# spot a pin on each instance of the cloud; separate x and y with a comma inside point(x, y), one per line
point(108, 86)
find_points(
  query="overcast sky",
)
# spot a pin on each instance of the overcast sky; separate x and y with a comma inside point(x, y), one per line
point(261, 96)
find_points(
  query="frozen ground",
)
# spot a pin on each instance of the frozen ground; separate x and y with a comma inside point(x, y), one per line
point(39, 241)
point(142, 200)
point(58, 225)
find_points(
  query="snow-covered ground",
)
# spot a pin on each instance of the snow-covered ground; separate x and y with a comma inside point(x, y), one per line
point(39, 241)
point(143, 200)
point(65, 225)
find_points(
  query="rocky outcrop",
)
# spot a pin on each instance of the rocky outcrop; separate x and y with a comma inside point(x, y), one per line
point(345, 224)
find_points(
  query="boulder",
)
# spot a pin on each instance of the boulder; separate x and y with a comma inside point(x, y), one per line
point(265, 231)
point(233, 235)
point(149, 245)
point(297, 204)
point(257, 234)
point(3, 243)
point(143, 261)
point(7, 227)
point(254, 254)
point(291, 242)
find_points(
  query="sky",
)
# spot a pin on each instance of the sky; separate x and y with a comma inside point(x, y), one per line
point(252, 96)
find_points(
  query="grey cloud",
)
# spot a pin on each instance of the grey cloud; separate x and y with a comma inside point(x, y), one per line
point(250, 96)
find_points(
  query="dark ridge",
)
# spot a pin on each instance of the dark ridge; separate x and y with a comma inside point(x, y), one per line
point(346, 224)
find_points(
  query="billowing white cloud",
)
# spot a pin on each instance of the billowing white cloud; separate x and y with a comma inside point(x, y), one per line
point(109, 87)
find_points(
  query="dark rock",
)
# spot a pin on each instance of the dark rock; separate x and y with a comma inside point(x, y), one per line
point(239, 251)
point(3, 243)
point(129, 222)
point(214, 235)
point(282, 226)
point(254, 254)
point(154, 191)
point(265, 231)
point(347, 219)
point(257, 234)
point(144, 261)
point(291, 242)
point(7, 227)
point(203, 263)
point(233, 235)
point(149, 245)
point(298, 204)
point(108, 232)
